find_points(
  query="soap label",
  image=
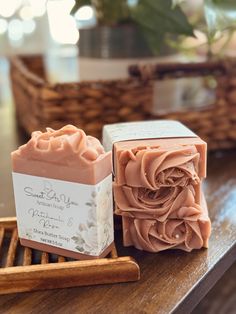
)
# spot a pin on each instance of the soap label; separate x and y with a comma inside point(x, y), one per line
point(118, 132)
point(72, 216)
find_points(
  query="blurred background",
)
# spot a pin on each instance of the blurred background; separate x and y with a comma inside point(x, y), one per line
point(36, 26)
point(54, 28)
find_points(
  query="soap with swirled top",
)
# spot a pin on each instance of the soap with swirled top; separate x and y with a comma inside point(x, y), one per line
point(62, 186)
point(184, 231)
point(158, 171)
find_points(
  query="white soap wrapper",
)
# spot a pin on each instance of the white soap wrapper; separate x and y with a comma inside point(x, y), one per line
point(119, 132)
point(72, 216)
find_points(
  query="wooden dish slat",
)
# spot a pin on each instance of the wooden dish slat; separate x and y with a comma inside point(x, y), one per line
point(114, 252)
point(61, 259)
point(27, 259)
point(44, 258)
point(44, 274)
point(2, 231)
point(12, 248)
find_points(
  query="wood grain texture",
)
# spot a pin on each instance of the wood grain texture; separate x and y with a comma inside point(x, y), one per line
point(44, 258)
point(62, 275)
point(51, 271)
point(12, 248)
point(2, 231)
point(221, 299)
point(170, 281)
point(61, 259)
point(27, 259)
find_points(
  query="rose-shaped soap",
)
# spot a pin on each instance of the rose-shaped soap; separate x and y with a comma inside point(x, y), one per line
point(167, 202)
point(158, 170)
point(154, 168)
point(153, 236)
point(65, 154)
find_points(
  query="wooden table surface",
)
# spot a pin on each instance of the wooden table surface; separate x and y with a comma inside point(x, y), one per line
point(170, 281)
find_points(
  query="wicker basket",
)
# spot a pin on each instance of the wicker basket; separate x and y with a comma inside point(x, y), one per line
point(92, 104)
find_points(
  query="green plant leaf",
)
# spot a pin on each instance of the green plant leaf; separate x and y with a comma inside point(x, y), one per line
point(158, 18)
point(78, 4)
point(176, 2)
point(175, 21)
point(153, 39)
point(152, 33)
point(220, 15)
point(111, 12)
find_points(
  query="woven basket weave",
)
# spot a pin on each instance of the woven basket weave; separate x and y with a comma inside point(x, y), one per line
point(92, 104)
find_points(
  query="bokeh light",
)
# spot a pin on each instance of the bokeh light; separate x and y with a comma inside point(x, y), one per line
point(15, 30)
point(3, 26)
point(38, 7)
point(84, 13)
point(62, 25)
point(9, 7)
point(26, 13)
point(29, 26)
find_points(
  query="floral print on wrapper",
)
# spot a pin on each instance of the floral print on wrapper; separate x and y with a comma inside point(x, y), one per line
point(97, 233)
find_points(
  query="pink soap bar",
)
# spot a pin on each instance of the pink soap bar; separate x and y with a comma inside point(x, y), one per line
point(184, 232)
point(167, 202)
point(68, 155)
point(160, 162)
point(157, 185)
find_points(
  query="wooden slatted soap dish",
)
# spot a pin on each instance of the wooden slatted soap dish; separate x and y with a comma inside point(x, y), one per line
point(23, 269)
